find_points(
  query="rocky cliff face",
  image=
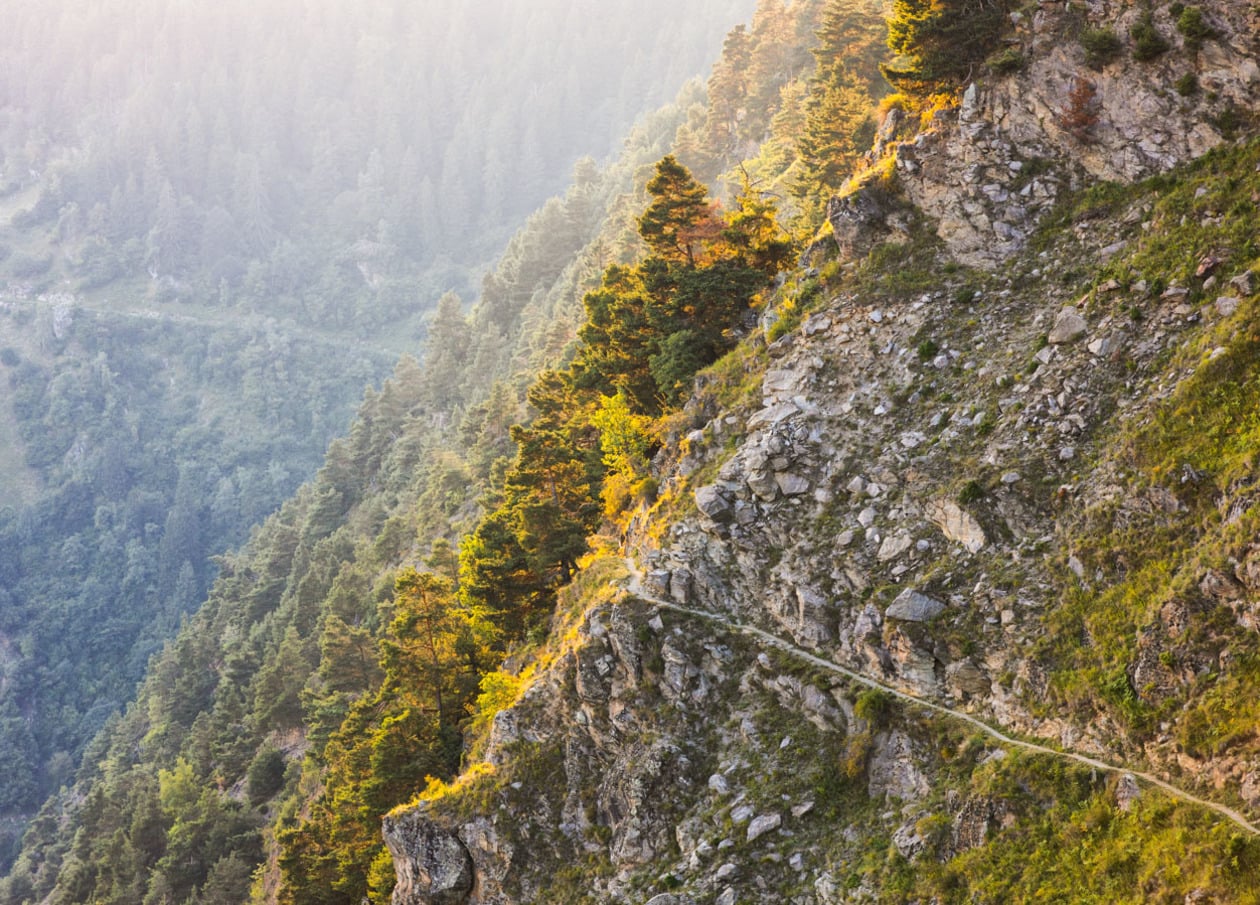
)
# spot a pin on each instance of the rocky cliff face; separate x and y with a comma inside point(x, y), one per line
point(989, 171)
point(664, 751)
point(936, 461)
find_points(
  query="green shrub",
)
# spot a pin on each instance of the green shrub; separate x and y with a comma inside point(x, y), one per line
point(963, 295)
point(970, 493)
point(1193, 27)
point(1187, 85)
point(1007, 61)
point(927, 350)
point(1148, 43)
point(1228, 122)
point(874, 706)
point(1102, 46)
point(265, 776)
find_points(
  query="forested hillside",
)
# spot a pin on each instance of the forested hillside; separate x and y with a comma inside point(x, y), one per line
point(266, 152)
point(346, 650)
point(218, 224)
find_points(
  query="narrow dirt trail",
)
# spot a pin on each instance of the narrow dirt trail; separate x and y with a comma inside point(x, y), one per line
point(635, 587)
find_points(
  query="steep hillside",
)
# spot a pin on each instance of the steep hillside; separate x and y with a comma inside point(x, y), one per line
point(948, 592)
point(921, 571)
point(1023, 497)
point(295, 709)
point(218, 225)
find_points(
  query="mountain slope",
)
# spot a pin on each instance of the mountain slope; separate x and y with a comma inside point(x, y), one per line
point(984, 488)
point(910, 491)
point(218, 225)
point(1019, 491)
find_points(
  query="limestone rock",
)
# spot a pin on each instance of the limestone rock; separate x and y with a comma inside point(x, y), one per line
point(1226, 305)
point(668, 898)
point(894, 545)
point(718, 784)
point(911, 606)
point(972, 823)
point(893, 772)
point(1127, 792)
point(713, 504)
point(766, 823)
point(957, 524)
point(967, 678)
point(792, 484)
point(431, 864)
point(1068, 326)
point(857, 221)
point(908, 841)
point(914, 665)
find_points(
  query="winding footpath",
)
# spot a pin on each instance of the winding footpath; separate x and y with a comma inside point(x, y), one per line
point(635, 588)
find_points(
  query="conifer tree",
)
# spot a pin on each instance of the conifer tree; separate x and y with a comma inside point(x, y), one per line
point(838, 130)
point(679, 217)
point(728, 91)
point(407, 729)
point(939, 43)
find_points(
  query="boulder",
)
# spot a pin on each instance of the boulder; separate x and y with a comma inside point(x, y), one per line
point(967, 678)
point(766, 823)
point(711, 502)
point(858, 220)
point(1127, 792)
point(431, 864)
point(957, 524)
point(1068, 326)
point(792, 484)
point(908, 841)
point(894, 545)
point(911, 606)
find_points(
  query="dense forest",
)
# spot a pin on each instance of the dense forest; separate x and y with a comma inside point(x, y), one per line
point(218, 224)
point(315, 160)
point(346, 649)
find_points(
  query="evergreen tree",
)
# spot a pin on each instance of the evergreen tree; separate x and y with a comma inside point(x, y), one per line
point(407, 729)
point(839, 127)
point(728, 92)
point(939, 43)
point(679, 217)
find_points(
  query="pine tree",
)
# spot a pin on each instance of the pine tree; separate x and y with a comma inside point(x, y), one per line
point(838, 130)
point(852, 35)
point(679, 217)
point(728, 92)
point(406, 729)
point(939, 43)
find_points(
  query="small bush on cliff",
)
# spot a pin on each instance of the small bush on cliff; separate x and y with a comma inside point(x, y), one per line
point(1007, 62)
point(1102, 46)
point(1148, 43)
point(1193, 27)
point(874, 706)
point(1080, 116)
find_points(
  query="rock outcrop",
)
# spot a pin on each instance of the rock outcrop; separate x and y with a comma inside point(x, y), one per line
point(990, 170)
point(432, 865)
